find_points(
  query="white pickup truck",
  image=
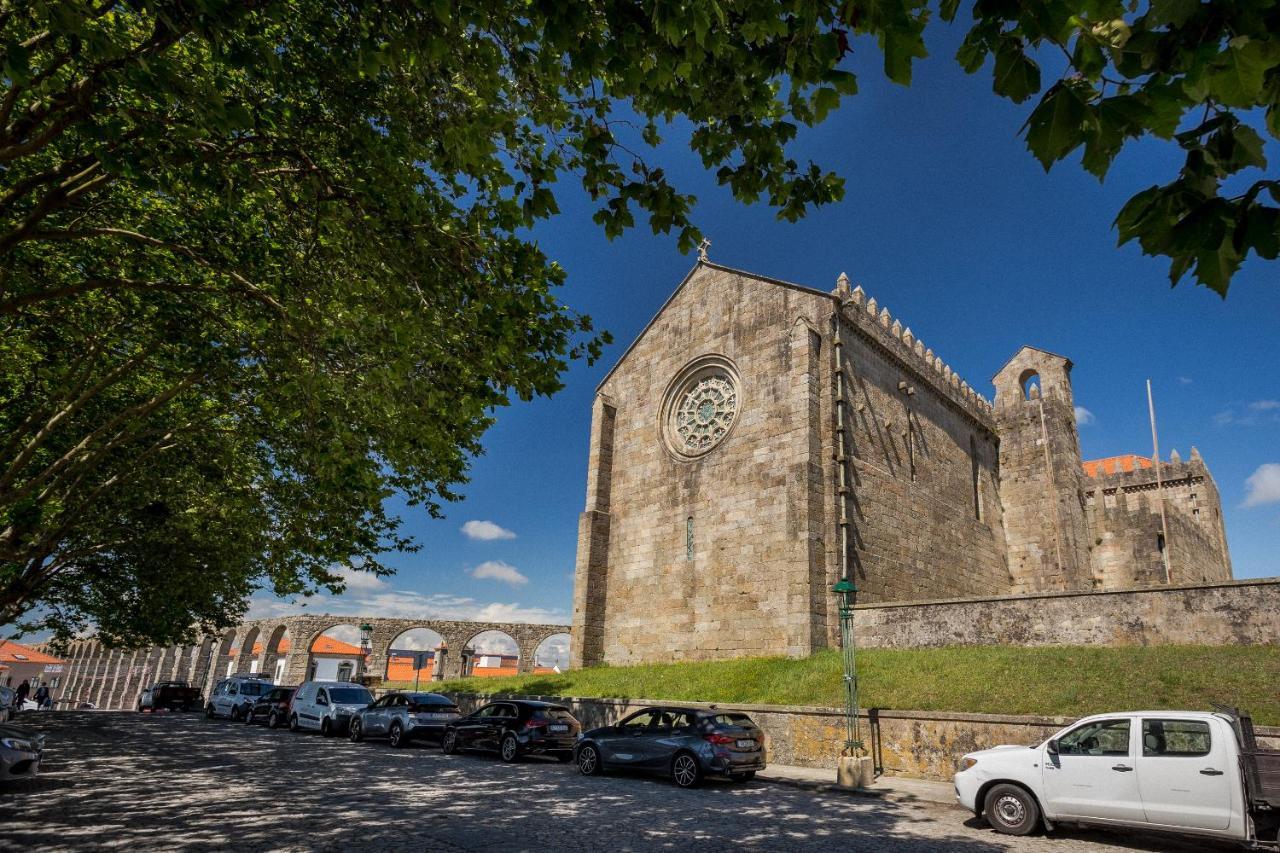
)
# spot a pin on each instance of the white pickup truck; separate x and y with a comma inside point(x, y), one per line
point(1169, 771)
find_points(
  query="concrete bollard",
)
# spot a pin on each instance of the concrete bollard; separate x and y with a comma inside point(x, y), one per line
point(855, 771)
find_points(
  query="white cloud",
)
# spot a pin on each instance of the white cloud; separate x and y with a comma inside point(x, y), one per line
point(1264, 405)
point(494, 643)
point(486, 531)
point(1185, 380)
point(358, 581)
point(406, 604)
point(499, 571)
point(418, 639)
point(1084, 417)
point(554, 651)
point(1263, 485)
point(1223, 418)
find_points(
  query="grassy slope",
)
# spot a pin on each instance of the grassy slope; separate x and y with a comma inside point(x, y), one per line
point(1066, 681)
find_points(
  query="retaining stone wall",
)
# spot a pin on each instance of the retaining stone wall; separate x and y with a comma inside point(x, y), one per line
point(1232, 613)
point(916, 744)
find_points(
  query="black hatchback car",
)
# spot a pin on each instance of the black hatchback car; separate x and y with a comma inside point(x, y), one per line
point(271, 707)
point(687, 744)
point(513, 728)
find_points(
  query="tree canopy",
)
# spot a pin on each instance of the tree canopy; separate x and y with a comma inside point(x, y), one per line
point(264, 263)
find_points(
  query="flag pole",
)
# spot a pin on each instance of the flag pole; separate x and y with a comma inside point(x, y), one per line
point(1164, 521)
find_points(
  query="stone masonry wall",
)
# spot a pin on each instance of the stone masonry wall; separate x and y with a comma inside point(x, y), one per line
point(924, 481)
point(1243, 612)
point(917, 744)
point(1124, 519)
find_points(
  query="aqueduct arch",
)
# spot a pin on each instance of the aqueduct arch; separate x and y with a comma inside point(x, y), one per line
point(112, 678)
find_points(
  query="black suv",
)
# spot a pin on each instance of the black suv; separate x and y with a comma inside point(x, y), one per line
point(272, 707)
point(515, 727)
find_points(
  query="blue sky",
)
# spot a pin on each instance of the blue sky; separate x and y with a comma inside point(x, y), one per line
point(952, 224)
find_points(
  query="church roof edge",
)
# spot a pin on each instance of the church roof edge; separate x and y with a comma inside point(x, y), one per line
point(1007, 361)
point(689, 275)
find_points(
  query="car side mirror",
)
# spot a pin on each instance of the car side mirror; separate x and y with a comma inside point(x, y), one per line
point(1052, 746)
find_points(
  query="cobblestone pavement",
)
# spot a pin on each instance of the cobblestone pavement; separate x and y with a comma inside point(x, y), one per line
point(180, 782)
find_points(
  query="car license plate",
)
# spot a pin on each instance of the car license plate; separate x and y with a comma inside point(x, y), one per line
point(746, 743)
point(435, 716)
point(558, 727)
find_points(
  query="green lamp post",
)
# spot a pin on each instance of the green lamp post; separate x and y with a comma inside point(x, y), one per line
point(848, 594)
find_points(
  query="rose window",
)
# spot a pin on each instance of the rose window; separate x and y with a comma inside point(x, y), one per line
point(705, 412)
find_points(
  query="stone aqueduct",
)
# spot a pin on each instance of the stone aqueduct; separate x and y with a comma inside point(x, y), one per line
point(113, 678)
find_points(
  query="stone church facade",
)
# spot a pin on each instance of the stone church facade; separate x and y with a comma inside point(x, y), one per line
point(761, 438)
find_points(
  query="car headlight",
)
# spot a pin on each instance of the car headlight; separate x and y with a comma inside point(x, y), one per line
point(17, 743)
point(967, 762)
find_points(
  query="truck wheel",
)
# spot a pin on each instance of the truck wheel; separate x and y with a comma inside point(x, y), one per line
point(293, 723)
point(326, 728)
point(1011, 810)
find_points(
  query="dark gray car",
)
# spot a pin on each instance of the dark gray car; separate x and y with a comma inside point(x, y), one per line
point(686, 744)
point(402, 717)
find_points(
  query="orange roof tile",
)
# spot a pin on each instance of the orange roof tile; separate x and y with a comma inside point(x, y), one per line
point(1113, 464)
point(12, 652)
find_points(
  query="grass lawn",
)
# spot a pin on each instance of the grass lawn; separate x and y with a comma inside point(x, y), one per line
point(1068, 680)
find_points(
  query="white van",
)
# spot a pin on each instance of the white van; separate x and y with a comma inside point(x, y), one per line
point(327, 706)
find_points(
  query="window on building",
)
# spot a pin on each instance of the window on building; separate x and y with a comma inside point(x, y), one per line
point(1160, 542)
point(688, 538)
point(345, 670)
point(1029, 380)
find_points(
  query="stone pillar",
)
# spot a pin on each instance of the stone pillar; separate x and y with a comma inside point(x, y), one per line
point(437, 663)
point(806, 606)
point(527, 650)
point(590, 587)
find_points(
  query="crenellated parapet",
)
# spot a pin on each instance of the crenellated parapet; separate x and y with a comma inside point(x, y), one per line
point(1135, 473)
point(874, 322)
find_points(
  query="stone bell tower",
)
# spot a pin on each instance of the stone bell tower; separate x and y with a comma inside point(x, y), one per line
point(1041, 479)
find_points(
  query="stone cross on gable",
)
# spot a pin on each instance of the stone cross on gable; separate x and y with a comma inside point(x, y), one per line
point(702, 249)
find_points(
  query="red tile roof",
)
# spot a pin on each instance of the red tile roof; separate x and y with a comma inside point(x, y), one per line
point(11, 652)
point(1113, 464)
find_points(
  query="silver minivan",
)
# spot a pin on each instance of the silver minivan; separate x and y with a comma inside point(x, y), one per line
point(233, 697)
point(327, 706)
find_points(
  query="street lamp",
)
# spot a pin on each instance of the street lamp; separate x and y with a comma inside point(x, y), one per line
point(848, 594)
point(366, 646)
point(856, 770)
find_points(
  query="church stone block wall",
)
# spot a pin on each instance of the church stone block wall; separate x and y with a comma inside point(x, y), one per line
point(760, 438)
point(718, 554)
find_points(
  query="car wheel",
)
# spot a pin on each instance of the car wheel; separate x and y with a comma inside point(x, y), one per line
point(273, 720)
point(208, 711)
point(396, 735)
point(743, 777)
point(354, 731)
point(510, 748)
point(589, 761)
point(1011, 810)
point(685, 770)
point(449, 743)
point(326, 728)
point(293, 723)
point(235, 713)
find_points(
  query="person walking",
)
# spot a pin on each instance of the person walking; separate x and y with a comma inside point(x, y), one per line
point(43, 700)
point(20, 697)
